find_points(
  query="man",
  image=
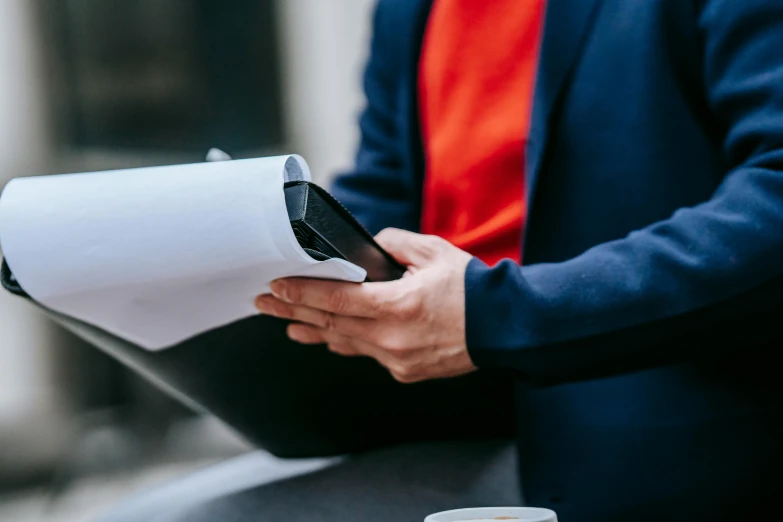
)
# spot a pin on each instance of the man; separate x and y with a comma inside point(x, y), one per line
point(606, 181)
point(648, 188)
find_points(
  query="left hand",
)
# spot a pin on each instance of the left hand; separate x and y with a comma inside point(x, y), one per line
point(415, 326)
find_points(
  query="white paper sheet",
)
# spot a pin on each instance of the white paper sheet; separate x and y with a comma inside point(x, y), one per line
point(161, 254)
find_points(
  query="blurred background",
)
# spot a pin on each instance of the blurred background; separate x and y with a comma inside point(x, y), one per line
point(102, 84)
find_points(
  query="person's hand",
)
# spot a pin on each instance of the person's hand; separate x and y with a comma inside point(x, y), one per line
point(415, 326)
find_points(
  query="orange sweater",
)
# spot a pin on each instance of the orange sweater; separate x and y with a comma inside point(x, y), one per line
point(476, 80)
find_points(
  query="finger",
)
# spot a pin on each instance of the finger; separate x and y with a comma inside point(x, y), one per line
point(339, 298)
point(408, 248)
point(344, 350)
point(346, 325)
point(306, 334)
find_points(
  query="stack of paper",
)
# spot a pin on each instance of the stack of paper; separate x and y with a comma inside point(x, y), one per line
point(158, 255)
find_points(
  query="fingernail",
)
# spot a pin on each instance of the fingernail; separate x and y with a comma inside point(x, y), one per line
point(279, 290)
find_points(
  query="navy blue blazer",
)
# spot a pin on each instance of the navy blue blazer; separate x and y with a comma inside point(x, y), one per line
point(642, 326)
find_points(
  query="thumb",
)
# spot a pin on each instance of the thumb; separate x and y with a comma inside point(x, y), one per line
point(409, 248)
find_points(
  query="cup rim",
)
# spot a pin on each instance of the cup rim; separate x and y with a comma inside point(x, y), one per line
point(543, 514)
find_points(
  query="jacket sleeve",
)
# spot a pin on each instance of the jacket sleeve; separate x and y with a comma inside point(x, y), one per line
point(680, 288)
point(376, 191)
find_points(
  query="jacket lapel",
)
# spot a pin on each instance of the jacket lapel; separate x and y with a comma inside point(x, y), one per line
point(565, 29)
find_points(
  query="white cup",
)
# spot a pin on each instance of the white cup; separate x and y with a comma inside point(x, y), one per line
point(493, 514)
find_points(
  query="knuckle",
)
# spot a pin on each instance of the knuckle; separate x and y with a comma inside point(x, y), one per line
point(441, 244)
point(433, 244)
point(294, 293)
point(376, 304)
point(283, 310)
point(434, 241)
point(328, 321)
point(336, 301)
point(409, 307)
